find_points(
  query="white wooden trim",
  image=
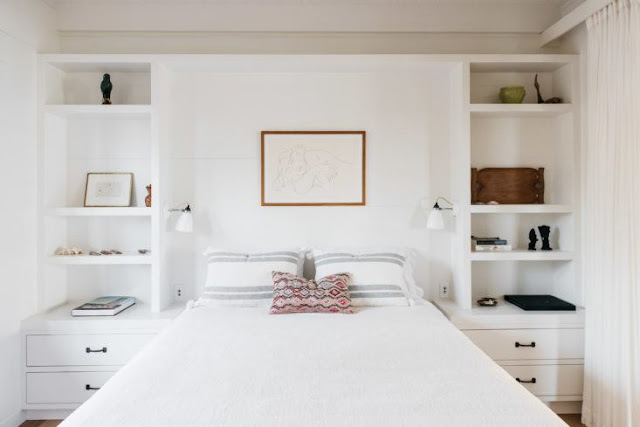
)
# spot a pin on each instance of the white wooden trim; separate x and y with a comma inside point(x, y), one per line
point(572, 20)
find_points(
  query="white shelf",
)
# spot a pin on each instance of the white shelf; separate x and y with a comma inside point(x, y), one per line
point(85, 212)
point(139, 316)
point(508, 314)
point(522, 255)
point(98, 111)
point(100, 259)
point(525, 209)
point(519, 110)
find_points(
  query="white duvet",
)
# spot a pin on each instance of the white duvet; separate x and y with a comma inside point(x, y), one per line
point(384, 366)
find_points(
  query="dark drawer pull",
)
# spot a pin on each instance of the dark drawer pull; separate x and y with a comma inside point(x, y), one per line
point(531, 381)
point(533, 344)
point(88, 387)
point(102, 350)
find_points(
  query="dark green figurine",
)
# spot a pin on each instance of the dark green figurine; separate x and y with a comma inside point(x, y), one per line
point(106, 87)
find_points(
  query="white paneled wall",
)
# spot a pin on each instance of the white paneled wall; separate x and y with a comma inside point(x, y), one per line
point(215, 161)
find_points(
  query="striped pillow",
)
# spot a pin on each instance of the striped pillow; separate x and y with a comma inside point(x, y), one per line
point(293, 294)
point(244, 279)
point(377, 277)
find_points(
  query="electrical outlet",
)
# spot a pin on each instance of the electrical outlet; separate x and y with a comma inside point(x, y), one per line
point(444, 290)
point(179, 292)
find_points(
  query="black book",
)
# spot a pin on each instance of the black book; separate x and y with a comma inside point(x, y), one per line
point(539, 303)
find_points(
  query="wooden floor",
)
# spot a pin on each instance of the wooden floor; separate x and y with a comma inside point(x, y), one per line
point(572, 419)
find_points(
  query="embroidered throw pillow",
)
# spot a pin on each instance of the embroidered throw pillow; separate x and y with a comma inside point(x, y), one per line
point(293, 294)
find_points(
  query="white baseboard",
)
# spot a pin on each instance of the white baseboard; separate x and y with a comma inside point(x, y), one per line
point(565, 407)
point(46, 414)
point(14, 420)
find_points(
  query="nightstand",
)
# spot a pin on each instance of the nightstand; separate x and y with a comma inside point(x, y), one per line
point(543, 351)
point(66, 359)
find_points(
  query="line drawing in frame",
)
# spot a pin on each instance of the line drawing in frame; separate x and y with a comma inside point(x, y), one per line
point(313, 168)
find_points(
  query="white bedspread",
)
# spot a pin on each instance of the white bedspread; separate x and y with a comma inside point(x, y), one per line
point(384, 366)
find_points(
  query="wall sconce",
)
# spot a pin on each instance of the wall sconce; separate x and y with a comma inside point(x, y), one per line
point(436, 221)
point(184, 224)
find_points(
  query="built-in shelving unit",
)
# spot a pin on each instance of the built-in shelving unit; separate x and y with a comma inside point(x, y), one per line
point(522, 255)
point(80, 135)
point(519, 110)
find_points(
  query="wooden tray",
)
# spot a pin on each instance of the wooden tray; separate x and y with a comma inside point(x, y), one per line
point(507, 185)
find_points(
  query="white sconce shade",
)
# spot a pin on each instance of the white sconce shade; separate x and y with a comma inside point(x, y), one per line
point(184, 224)
point(435, 221)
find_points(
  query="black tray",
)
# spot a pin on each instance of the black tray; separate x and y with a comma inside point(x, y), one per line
point(539, 303)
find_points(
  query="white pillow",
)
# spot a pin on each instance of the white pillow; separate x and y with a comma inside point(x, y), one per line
point(379, 277)
point(244, 279)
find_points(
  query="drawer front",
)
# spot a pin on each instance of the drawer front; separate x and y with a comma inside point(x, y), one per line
point(63, 387)
point(83, 350)
point(549, 380)
point(529, 344)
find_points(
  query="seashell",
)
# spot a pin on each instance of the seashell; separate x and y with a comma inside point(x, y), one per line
point(105, 252)
point(143, 251)
point(116, 252)
point(94, 253)
point(76, 251)
point(61, 251)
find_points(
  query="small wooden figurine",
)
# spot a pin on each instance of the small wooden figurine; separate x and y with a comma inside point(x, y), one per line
point(147, 200)
point(106, 87)
point(554, 100)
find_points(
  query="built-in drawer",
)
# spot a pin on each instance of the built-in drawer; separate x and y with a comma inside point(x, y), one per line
point(529, 344)
point(84, 350)
point(63, 387)
point(549, 380)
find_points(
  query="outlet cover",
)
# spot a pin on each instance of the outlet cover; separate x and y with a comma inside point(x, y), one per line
point(443, 290)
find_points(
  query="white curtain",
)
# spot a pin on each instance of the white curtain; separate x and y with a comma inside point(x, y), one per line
point(611, 232)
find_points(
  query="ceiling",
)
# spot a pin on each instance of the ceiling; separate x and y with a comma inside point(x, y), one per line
point(445, 16)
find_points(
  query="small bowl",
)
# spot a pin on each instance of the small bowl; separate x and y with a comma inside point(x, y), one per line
point(512, 94)
point(487, 302)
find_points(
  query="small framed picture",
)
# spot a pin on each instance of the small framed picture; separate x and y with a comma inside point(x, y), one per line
point(108, 189)
point(313, 168)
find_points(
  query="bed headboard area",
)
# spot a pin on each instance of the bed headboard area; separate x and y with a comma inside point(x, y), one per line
point(218, 113)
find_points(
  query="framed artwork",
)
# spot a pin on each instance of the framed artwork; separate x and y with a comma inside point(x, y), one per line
point(313, 168)
point(108, 189)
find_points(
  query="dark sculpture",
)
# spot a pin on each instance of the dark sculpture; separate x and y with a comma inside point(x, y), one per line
point(554, 100)
point(545, 230)
point(106, 87)
point(533, 239)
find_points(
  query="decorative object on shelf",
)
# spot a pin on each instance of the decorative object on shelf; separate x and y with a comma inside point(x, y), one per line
point(539, 302)
point(507, 185)
point(554, 100)
point(533, 239)
point(108, 189)
point(512, 94)
point(106, 86)
point(545, 231)
point(435, 220)
point(313, 168)
point(110, 252)
point(94, 253)
point(143, 251)
point(147, 199)
point(184, 224)
point(490, 244)
point(69, 251)
point(487, 302)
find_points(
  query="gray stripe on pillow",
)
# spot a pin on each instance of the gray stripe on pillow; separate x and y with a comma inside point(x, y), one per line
point(355, 295)
point(239, 289)
point(259, 254)
point(245, 296)
point(219, 259)
point(374, 254)
point(342, 260)
point(374, 288)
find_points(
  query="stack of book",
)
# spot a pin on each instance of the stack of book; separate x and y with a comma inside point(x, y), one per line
point(104, 306)
point(490, 244)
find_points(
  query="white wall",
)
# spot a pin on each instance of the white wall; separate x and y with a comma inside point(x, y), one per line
point(25, 27)
point(215, 161)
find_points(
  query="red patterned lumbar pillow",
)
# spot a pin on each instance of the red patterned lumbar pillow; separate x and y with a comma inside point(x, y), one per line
point(293, 294)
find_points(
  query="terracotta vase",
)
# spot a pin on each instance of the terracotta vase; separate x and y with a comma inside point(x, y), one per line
point(147, 200)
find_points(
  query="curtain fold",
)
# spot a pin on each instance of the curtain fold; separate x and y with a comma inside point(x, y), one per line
point(611, 217)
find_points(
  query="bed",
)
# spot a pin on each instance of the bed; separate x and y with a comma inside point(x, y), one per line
point(382, 366)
